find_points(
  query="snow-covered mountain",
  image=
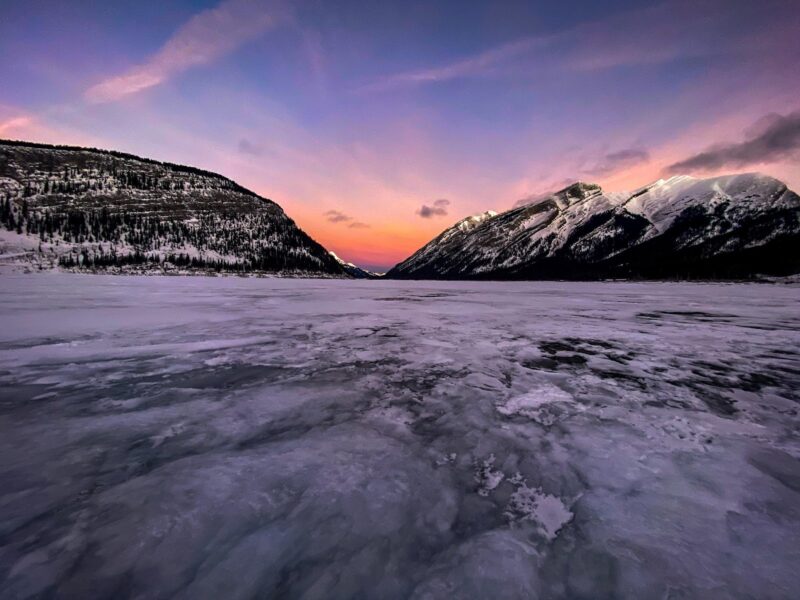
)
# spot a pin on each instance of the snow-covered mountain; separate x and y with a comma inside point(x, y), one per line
point(82, 208)
point(736, 226)
point(354, 271)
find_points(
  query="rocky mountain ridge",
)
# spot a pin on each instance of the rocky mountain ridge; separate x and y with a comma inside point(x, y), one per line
point(730, 227)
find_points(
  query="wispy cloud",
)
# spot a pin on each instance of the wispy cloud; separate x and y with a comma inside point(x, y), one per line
point(656, 34)
point(773, 138)
point(205, 37)
point(14, 123)
point(316, 57)
point(20, 125)
point(470, 66)
point(335, 216)
point(437, 209)
point(616, 161)
point(247, 147)
point(547, 190)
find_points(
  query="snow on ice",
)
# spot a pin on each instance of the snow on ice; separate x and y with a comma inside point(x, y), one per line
point(240, 438)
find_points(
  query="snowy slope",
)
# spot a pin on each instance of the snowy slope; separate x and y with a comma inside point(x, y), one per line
point(732, 226)
point(450, 241)
point(740, 195)
point(353, 270)
point(82, 208)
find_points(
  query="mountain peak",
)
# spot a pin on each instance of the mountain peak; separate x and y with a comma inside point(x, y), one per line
point(732, 226)
point(473, 220)
point(664, 183)
point(575, 192)
point(466, 224)
point(578, 191)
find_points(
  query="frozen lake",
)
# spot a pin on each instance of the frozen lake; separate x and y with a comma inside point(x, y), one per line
point(248, 438)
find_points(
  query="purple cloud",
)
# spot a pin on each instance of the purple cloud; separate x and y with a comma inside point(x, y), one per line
point(437, 209)
point(772, 139)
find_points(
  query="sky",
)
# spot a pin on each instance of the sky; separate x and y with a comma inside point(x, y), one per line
point(375, 125)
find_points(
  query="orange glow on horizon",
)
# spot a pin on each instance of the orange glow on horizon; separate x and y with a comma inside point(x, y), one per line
point(312, 185)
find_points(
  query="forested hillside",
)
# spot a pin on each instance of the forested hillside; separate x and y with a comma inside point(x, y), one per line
point(91, 209)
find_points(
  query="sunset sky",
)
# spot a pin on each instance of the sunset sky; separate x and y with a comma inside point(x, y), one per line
point(377, 124)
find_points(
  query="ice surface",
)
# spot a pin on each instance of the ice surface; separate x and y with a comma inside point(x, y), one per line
point(537, 404)
point(249, 438)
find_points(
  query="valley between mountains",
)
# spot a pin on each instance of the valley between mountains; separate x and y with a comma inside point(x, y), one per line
point(80, 209)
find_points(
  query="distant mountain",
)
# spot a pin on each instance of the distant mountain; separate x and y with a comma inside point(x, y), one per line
point(354, 271)
point(731, 227)
point(83, 208)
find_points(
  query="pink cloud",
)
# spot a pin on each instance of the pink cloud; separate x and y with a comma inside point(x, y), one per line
point(18, 124)
point(207, 36)
point(13, 124)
